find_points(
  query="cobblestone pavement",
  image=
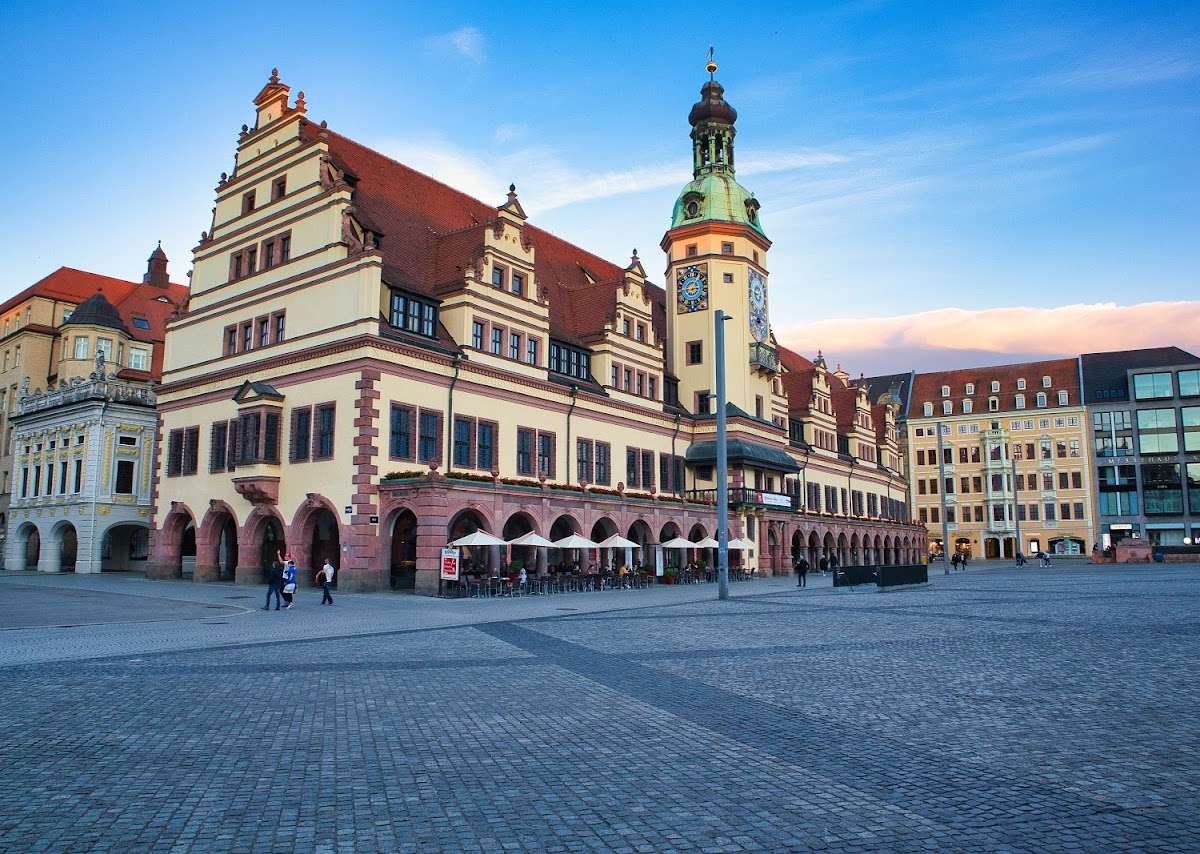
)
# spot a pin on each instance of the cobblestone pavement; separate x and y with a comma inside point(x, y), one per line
point(1038, 710)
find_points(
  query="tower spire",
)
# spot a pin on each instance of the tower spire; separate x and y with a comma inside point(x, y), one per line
point(712, 119)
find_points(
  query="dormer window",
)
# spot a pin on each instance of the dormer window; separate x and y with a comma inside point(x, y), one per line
point(626, 327)
point(518, 284)
point(1020, 401)
point(691, 204)
point(1041, 399)
point(752, 210)
point(968, 405)
point(970, 388)
point(1021, 384)
point(947, 407)
point(247, 202)
point(497, 276)
point(641, 332)
point(140, 322)
point(993, 404)
point(412, 314)
point(1062, 397)
point(945, 391)
point(995, 386)
point(1045, 382)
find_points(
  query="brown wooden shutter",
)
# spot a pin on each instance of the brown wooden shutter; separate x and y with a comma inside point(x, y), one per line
point(271, 438)
point(231, 445)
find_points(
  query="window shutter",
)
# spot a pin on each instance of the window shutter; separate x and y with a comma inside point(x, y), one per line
point(174, 452)
point(271, 439)
point(232, 441)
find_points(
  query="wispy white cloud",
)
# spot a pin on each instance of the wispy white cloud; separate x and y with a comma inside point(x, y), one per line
point(547, 181)
point(509, 132)
point(1019, 332)
point(1075, 145)
point(465, 42)
point(1123, 73)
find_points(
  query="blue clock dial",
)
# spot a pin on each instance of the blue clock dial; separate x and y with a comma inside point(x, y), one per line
point(760, 328)
point(691, 285)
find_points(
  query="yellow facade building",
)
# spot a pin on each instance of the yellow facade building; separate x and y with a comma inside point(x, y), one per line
point(373, 363)
point(1015, 472)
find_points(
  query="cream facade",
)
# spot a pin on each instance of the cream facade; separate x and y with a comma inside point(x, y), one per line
point(371, 364)
point(1015, 473)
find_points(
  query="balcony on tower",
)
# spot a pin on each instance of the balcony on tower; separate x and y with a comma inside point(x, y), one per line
point(764, 357)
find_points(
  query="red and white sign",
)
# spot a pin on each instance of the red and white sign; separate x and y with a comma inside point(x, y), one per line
point(449, 564)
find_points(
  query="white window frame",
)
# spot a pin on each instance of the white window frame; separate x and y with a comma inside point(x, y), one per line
point(1063, 397)
point(1045, 382)
point(1041, 400)
point(970, 388)
point(947, 407)
point(1020, 401)
point(1021, 384)
point(995, 386)
point(968, 405)
point(928, 409)
point(945, 391)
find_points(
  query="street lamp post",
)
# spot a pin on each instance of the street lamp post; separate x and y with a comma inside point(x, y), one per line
point(1016, 515)
point(722, 464)
point(942, 495)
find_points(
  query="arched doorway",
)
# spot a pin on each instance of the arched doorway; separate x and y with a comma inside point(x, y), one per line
point(565, 526)
point(814, 550)
point(533, 559)
point(325, 543)
point(227, 549)
point(843, 550)
point(640, 533)
point(962, 547)
point(260, 555)
point(474, 558)
point(887, 550)
point(798, 547)
point(124, 548)
point(855, 555)
point(877, 551)
point(403, 563)
point(702, 556)
point(31, 546)
point(601, 531)
point(671, 557)
point(68, 546)
point(828, 546)
point(991, 548)
point(187, 551)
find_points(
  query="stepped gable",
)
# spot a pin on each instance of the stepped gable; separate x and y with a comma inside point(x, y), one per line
point(844, 397)
point(432, 232)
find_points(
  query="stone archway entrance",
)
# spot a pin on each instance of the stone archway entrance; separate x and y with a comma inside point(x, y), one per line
point(403, 573)
point(31, 547)
point(325, 544)
point(68, 547)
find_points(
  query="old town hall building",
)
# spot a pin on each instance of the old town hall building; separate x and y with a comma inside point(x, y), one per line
point(372, 363)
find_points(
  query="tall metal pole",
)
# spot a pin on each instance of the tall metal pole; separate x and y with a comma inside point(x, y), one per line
point(1016, 515)
point(942, 495)
point(722, 466)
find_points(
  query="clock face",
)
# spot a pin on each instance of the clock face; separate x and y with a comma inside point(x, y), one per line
point(759, 327)
point(692, 287)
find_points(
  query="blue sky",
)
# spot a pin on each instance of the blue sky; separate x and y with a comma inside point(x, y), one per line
point(909, 157)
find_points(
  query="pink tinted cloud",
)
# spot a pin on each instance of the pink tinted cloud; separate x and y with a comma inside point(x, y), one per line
point(958, 337)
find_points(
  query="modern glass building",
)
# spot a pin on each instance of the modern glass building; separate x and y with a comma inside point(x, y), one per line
point(1144, 413)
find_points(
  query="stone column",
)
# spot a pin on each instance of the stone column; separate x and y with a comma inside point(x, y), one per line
point(361, 571)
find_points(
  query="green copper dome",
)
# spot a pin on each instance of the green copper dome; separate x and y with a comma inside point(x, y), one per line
point(716, 196)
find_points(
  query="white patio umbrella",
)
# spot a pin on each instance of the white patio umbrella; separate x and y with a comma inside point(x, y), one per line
point(531, 539)
point(707, 543)
point(574, 542)
point(616, 541)
point(741, 545)
point(479, 538)
point(679, 543)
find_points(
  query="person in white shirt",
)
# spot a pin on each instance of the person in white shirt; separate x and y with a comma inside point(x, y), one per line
point(325, 576)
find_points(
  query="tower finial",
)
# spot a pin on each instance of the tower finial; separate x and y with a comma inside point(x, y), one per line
point(711, 66)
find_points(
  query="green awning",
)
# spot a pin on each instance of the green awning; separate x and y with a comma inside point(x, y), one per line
point(742, 452)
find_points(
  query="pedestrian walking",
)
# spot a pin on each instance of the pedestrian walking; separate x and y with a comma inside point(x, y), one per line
point(274, 583)
point(954, 561)
point(823, 563)
point(964, 561)
point(289, 582)
point(325, 579)
point(1020, 558)
point(802, 572)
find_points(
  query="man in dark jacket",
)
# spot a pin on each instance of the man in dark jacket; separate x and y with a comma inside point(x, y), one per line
point(802, 572)
point(274, 584)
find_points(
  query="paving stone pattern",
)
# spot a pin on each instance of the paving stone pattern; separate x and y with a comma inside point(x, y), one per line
point(1040, 710)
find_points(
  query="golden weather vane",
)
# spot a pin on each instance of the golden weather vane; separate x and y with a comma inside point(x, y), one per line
point(711, 67)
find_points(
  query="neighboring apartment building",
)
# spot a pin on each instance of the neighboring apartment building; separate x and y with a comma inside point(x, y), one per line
point(1015, 471)
point(1144, 409)
point(53, 332)
point(373, 363)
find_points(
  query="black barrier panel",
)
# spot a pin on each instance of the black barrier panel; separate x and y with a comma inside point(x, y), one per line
point(890, 576)
point(849, 576)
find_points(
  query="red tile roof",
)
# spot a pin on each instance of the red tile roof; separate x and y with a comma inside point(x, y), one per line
point(131, 299)
point(1063, 373)
point(432, 232)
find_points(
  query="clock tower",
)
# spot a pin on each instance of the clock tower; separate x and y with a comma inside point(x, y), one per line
point(717, 259)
